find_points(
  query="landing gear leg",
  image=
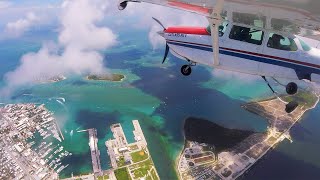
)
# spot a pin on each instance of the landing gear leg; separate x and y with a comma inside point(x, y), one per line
point(290, 106)
point(291, 88)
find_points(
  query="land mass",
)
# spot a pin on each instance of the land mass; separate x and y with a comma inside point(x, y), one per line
point(211, 153)
point(52, 79)
point(109, 77)
point(204, 131)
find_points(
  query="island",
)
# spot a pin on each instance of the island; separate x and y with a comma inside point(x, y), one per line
point(51, 79)
point(106, 77)
point(215, 152)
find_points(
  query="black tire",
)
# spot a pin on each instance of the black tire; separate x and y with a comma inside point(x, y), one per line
point(292, 88)
point(186, 70)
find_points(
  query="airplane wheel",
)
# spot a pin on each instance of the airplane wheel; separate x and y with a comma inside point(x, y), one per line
point(186, 70)
point(292, 88)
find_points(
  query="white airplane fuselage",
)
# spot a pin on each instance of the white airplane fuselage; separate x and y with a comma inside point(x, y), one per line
point(195, 44)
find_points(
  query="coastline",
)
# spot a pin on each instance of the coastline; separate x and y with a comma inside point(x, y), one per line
point(249, 151)
point(178, 158)
point(277, 142)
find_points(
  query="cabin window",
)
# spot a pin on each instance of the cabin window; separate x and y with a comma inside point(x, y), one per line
point(245, 34)
point(304, 45)
point(284, 25)
point(280, 42)
point(249, 19)
point(222, 28)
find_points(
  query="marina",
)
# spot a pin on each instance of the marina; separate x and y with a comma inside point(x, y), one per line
point(29, 144)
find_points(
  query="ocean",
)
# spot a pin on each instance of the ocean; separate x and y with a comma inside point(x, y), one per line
point(161, 99)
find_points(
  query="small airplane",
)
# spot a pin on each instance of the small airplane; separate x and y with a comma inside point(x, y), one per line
point(245, 36)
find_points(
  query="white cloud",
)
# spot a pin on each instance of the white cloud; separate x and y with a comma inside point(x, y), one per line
point(139, 16)
point(168, 17)
point(5, 4)
point(17, 28)
point(77, 49)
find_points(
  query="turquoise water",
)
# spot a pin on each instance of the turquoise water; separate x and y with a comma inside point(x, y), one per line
point(157, 95)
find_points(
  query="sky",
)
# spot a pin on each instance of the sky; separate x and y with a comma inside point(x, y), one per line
point(84, 29)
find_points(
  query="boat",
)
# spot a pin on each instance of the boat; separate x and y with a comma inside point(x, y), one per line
point(62, 168)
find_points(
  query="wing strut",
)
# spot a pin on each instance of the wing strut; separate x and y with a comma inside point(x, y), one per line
point(215, 20)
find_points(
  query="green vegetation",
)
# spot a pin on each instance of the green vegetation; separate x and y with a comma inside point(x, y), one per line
point(122, 174)
point(105, 177)
point(142, 170)
point(121, 162)
point(112, 77)
point(140, 173)
point(139, 156)
point(303, 98)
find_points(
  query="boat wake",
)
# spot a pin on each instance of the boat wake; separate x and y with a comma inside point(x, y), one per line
point(61, 98)
point(27, 94)
point(64, 106)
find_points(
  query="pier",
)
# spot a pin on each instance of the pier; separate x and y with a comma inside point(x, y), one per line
point(95, 153)
point(117, 145)
point(133, 158)
point(59, 130)
point(138, 134)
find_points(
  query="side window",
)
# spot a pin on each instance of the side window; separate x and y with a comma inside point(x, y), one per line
point(280, 42)
point(249, 35)
point(222, 28)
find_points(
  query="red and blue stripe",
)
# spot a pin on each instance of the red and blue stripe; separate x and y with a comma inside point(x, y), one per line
point(274, 60)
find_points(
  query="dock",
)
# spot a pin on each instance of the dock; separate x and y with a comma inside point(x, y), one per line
point(117, 145)
point(138, 134)
point(95, 153)
point(59, 130)
point(133, 157)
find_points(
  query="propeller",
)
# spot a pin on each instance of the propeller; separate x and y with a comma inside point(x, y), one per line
point(159, 22)
point(162, 34)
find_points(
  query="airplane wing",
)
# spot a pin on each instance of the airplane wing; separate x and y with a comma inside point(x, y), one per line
point(295, 16)
point(202, 7)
